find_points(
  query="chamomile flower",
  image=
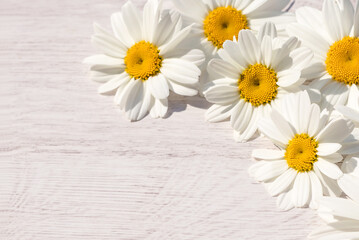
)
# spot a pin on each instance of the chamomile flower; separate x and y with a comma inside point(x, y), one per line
point(304, 168)
point(145, 59)
point(333, 35)
point(251, 76)
point(341, 215)
point(219, 20)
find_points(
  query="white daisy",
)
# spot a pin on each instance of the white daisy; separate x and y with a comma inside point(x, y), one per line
point(219, 20)
point(333, 35)
point(304, 168)
point(252, 75)
point(145, 59)
point(341, 215)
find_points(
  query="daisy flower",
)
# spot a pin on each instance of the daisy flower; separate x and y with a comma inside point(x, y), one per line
point(219, 20)
point(333, 36)
point(251, 75)
point(144, 59)
point(304, 168)
point(341, 215)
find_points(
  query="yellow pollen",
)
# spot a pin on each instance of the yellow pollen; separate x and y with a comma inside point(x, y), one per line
point(258, 84)
point(343, 60)
point(143, 60)
point(223, 23)
point(301, 153)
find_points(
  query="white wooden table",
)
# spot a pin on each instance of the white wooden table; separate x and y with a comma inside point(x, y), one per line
point(72, 167)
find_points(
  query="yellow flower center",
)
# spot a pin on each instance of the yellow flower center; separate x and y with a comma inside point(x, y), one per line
point(258, 84)
point(301, 153)
point(343, 60)
point(143, 60)
point(223, 23)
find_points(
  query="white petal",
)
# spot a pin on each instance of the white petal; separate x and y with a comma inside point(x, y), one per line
point(329, 169)
point(134, 102)
point(260, 6)
point(341, 207)
point(251, 128)
point(284, 201)
point(218, 113)
point(290, 110)
point(350, 166)
point(281, 183)
point(126, 92)
point(317, 190)
point(224, 69)
point(338, 19)
point(270, 170)
point(356, 20)
point(147, 99)
point(345, 229)
point(288, 78)
point(323, 121)
point(249, 46)
point(336, 131)
point(176, 39)
point(334, 93)
point(325, 149)
point(314, 71)
point(241, 115)
point(232, 54)
point(180, 71)
point(280, 19)
point(304, 111)
point(333, 158)
point(311, 17)
point(182, 89)
point(268, 29)
point(222, 94)
point(353, 99)
point(132, 20)
point(166, 27)
point(101, 59)
point(302, 57)
point(120, 29)
point(108, 43)
point(197, 11)
point(350, 185)
point(253, 168)
point(349, 113)
point(151, 16)
point(159, 108)
point(114, 83)
point(194, 56)
point(266, 50)
point(314, 120)
point(330, 186)
point(301, 189)
point(282, 125)
point(310, 39)
point(265, 154)
point(280, 56)
point(270, 130)
point(158, 86)
point(350, 147)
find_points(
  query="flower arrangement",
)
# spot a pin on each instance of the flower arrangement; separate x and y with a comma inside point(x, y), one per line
point(290, 77)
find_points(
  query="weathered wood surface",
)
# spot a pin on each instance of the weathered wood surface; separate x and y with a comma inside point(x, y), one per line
point(72, 167)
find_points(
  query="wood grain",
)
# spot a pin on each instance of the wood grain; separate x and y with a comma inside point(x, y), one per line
point(72, 167)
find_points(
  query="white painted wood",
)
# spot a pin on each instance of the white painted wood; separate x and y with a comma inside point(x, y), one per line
point(72, 167)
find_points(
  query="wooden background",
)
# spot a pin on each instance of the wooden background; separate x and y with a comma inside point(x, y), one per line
point(72, 167)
